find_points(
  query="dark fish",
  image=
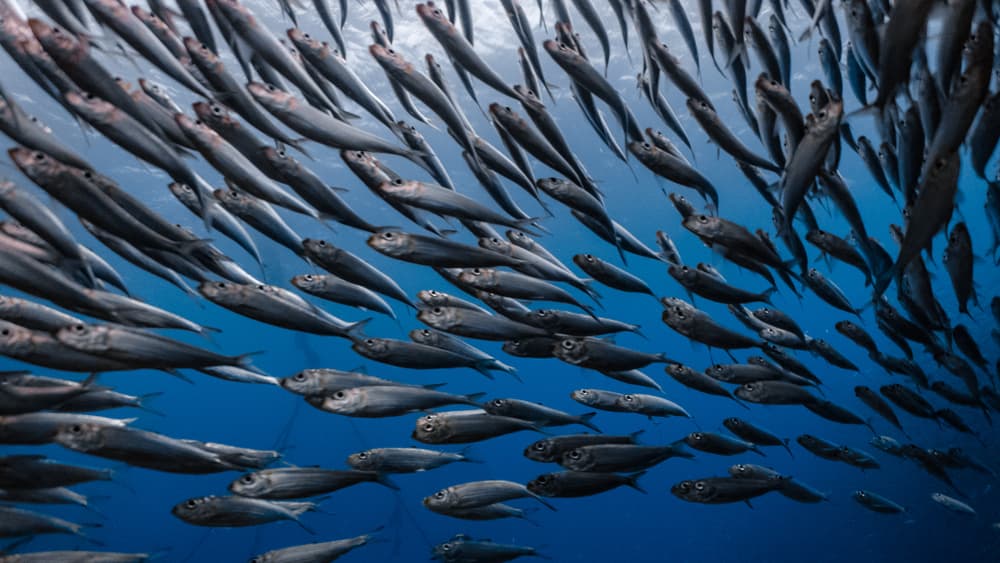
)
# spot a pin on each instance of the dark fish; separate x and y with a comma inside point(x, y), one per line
point(236, 511)
point(877, 503)
point(958, 261)
point(463, 427)
point(300, 482)
point(755, 434)
point(698, 381)
point(617, 458)
point(573, 484)
point(603, 356)
point(722, 490)
point(701, 327)
point(720, 444)
point(436, 252)
point(710, 287)
point(611, 275)
point(775, 393)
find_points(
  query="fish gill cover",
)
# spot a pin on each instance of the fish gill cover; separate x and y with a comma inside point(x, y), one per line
point(291, 281)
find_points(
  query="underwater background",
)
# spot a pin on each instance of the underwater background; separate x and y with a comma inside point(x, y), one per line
point(624, 524)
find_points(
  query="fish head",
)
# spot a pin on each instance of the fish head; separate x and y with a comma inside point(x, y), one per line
point(544, 485)
point(371, 347)
point(85, 337)
point(572, 350)
point(214, 113)
point(519, 238)
point(433, 297)
point(733, 423)
point(36, 165)
point(687, 489)
point(201, 53)
point(700, 108)
point(309, 282)
point(14, 339)
point(442, 499)
point(577, 459)
point(745, 471)
point(390, 59)
point(500, 407)
point(585, 261)
point(682, 273)
point(346, 401)
point(544, 318)
point(193, 509)
point(389, 241)
point(251, 484)
point(542, 450)
point(695, 439)
point(699, 223)
point(440, 317)
point(222, 292)
point(81, 437)
point(364, 461)
point(750, 391)
point(56, 41)
point(433, 15)
point(586, 396)
point(482, 278)
point(431, 430)
point(301, 38)
point(270, 96)
point(399, 187)
point(630, 402)
point(495, 244)
point(306, 382)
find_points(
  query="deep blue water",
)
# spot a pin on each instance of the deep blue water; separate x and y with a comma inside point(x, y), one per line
point(134, 510)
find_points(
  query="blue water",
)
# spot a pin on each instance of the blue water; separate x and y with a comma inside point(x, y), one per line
point(624, 525)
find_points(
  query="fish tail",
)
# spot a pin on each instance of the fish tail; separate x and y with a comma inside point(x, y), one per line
point(788, 448)
point(633, 481)
point(585, 419)
point(385, 481)
point(543, 501)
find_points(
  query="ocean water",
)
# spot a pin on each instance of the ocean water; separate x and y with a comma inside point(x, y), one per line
point(133, 511)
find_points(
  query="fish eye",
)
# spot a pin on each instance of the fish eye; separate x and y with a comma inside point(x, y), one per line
point(363, 455)
point(741, 468)
point(684, 268)
point(575, 454)
point(271, 88)
point(299, 376)
point(261, 287)
point(539, 446)
point(79, 328)
point(76, 429)
point(39, 156)
point(437, 310)
point(495, 240)
point(191, 503)
point(584, 392)
point(370, 342)
point(248, 478)
point(446, 547)
point(388, 236)
point(645, 145)
point(439, 494)
point(568, 344)
point(749, 386)
point(5, 332)
point(498, 402)
point(308, 277)
point(398, 181)
point(702, 219)
point(588, 257)
point(700, 486)
point(390, 51)
point(425, 332)
point(216, 109)
point(339, 395)
point(698, 436)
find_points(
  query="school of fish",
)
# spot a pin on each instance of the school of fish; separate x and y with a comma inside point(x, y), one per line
point(263, 104)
